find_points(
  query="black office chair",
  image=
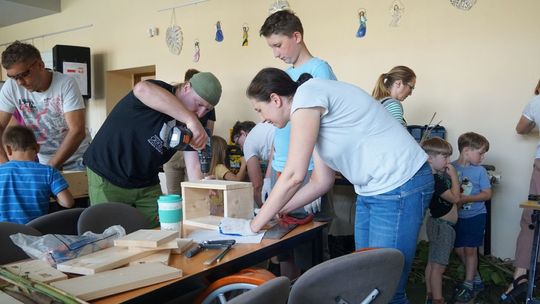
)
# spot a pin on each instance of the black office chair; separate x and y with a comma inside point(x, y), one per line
point(11, 252)
point(97, 218)
point(372, 274)
point(59, 222)
point(275, 291)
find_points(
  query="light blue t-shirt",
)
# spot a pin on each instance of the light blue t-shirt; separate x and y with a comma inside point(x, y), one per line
point(25, 188)
point(318, 69)
point(473, 179)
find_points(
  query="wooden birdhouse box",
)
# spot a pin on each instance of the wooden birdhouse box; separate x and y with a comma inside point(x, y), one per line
point(206, 202)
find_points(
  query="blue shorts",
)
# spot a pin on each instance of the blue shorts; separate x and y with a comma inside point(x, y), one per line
point(470, 231)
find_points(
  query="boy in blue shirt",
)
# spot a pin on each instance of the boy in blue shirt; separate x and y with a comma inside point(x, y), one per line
point(26, 185)
point(476, 189)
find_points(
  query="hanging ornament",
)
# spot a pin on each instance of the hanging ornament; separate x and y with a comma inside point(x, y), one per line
point(396, 10)
point(362, 29)
point(219, 32)
point(463, 4)
point(278, 5)
point(245, 29)
point(173, 36)
point(196, 52)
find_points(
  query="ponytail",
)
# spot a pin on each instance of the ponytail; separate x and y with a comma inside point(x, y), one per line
point(272, 80)
point(303, 78)
point(386, 80)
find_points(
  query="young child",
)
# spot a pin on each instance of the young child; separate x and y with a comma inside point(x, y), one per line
point(26, 185)
point(444, 215)
point(476, 189)
point(219, 156)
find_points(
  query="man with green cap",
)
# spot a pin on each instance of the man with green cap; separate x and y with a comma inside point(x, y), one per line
point(124, 157)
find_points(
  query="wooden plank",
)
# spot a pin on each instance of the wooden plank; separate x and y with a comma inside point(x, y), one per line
point(78, 183)
point(216, 184)
point(37, 270)
point(161, 256)
point(99, 261)
point(146, 238)
point(169, 245)
point(7, 299)
point(239, 203)
point(118, 280)
point(534, 205)
point(183, 245)
point(207, 222)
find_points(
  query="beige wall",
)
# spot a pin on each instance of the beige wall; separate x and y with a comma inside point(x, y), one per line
point(476, 69)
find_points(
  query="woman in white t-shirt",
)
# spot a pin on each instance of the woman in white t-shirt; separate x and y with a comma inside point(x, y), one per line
point(528, 120)
point(345, 130)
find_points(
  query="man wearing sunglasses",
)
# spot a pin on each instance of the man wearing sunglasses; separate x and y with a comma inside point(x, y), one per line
point(50, 104)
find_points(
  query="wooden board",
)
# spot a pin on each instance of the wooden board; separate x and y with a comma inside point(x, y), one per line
point(207, 222)
point(169, 245)
point(183, 245)
point(99, 261)
point(534, 205)
point(78, 183)
point(239, 203)
point(161, 256)
point(37, 270)
point(146, 238)
point(216, 184)
point(118, 280)
point(7, 299)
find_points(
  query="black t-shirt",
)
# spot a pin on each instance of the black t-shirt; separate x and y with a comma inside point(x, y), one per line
point(128, 150)
point(438, 206)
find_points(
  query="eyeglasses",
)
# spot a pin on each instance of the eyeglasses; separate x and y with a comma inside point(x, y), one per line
point(22, 74)
point(410, 86)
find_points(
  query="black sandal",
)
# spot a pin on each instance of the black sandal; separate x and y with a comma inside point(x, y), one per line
point(518, 293)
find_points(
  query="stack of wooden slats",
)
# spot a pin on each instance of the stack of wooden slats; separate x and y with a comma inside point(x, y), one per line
point(145, 252)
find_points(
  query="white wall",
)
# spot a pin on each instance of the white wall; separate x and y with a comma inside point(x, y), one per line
point(475, 68)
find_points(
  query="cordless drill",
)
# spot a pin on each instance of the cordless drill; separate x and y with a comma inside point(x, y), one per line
point(179, 136)
point(205, 154)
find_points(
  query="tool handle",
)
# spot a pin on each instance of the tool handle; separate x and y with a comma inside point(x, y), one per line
point(193, 251)
point(218, 257)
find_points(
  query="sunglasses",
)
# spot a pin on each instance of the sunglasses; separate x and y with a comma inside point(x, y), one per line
point(22, 74)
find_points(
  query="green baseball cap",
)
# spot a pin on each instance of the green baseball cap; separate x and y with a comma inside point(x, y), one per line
point(207, 86)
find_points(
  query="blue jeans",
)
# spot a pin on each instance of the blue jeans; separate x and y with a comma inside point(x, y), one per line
point(393, 220)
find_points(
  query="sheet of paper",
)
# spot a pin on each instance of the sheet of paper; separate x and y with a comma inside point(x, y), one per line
point(201, 235)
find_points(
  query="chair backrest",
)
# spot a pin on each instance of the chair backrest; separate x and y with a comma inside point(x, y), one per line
point(11, 252)
point(59, 222)
point(351, 277)
point(97, 218)
point(274, 291)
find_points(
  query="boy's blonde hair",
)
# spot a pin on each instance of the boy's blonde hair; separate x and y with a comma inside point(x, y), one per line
point(472, 140)
point(20, 138)
point(436, 145)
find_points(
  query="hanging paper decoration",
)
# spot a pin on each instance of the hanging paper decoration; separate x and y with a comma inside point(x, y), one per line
point(278, 5)
point(245, 30)
point(396, 10)
point(173, 36)
point(463, 4)
point(219, 32)
point(197, 52)
point(362, 29)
